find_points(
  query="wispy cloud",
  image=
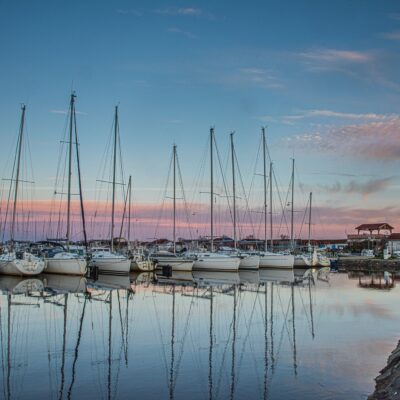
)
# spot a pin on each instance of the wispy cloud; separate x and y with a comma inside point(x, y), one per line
point(321, 113)
point(333, 59)
point(365, 188)
point(65, 112)
point(258, 77)
point(188, 11)
point(130, 11)
point(335, 56)
point(181, 32)
point(376, 140)
point(395, 35)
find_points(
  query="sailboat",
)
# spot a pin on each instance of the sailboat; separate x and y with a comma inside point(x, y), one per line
point(213, 261)
point(68, 262)
point(15, 261)
point(269, 259)
point(177, 262)
point(247, 260)
point(108, 261)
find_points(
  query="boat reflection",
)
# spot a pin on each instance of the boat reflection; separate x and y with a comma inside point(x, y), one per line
point(230, 326)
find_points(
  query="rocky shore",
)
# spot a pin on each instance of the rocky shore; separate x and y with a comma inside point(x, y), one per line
point(346, 264)
point(387, 385)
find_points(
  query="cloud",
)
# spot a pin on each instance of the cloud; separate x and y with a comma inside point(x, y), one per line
point(65, 112)
point(377, 140)
point(395, 35)
point(181, 32)
point(130, 11)
point(320, 113)
point(262, 78)
point(343, 61)
point(335, 56)
point(188, 11)
point(355, 187)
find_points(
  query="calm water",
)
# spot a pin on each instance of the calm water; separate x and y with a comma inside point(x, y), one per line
point(206, 336)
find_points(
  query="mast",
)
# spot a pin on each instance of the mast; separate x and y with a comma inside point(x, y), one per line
point(129, 209)
point(270, 206)
point(114, 175)
point(309, 223)
point(212, 188)
point(19, 149)
point(233, 377)
point(210, 353)
point(171, 376)
point(71, 121)
point(78, 164)
point(64, 346)
point(174, 200)
point(292, 208)
point(294, 334)
point(109, 346)
point(265, 188)
point(233, 190)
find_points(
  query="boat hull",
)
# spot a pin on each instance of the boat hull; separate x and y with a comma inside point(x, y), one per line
point(142, 266)
point(176, 264)
point(22, 267)
point(302, 261)
point(217, 264)
point(276, 261)
point(111, 266)
point(249, 262)
point(73, 266)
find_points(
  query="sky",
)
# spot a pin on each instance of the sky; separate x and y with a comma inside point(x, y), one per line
point(322, 77)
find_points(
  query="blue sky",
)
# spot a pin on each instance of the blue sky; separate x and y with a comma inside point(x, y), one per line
point(322, 75)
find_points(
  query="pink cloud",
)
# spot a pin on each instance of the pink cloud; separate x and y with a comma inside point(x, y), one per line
point(379, 140)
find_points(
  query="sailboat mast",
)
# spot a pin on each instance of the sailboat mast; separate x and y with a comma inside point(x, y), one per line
point(292, 209)
point(233, 190)
point(265, 188)
point(114, 175)
point(309, 222)
point(270, 206)
point(19, 149)
point(174, 200)
point(212, 188)
point(129, 209)
point(78, 165)
point(71, 121)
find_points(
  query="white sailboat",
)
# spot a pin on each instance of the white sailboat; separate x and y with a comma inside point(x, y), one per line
point(211, 261)
point(108, 261)
point(269, 259)
point(306, 260)
point(177, 262)
point(68, 262)
point(15, 262)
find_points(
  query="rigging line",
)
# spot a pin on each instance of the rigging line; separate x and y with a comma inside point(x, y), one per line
point(162, 340)
point(160, 214)
point(247, 333)
point(76, 353)
point(244, 194)
point(187, 211)
point(11, 187)
point(283, 216)
point(304, 217)
point(122, 326)
point(223, 178)
point(185, 331)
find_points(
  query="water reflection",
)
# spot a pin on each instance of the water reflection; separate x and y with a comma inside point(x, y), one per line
point(262, 334)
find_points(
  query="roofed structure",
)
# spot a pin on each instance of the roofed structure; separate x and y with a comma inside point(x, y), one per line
point(382, 226)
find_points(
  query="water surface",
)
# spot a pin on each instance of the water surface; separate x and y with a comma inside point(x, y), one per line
point(198, 336)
